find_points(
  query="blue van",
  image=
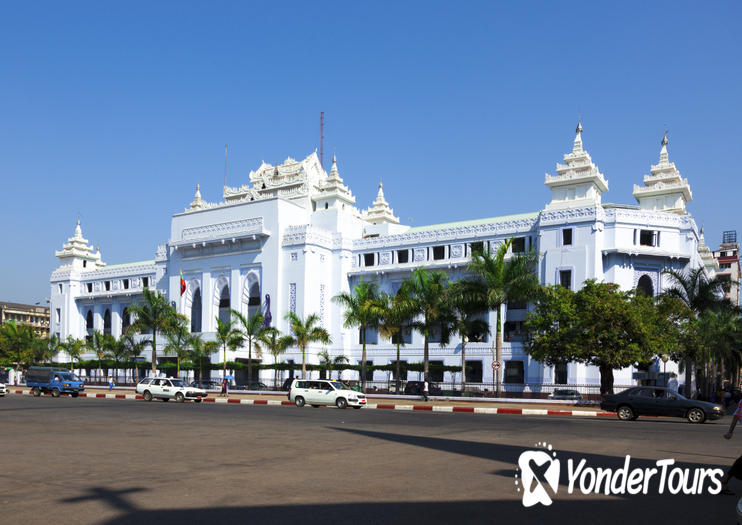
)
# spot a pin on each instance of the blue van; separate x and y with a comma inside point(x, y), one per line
point(55, 380)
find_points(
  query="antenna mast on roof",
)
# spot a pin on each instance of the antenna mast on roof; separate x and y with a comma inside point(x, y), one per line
point(322, 139)
point(225, 165)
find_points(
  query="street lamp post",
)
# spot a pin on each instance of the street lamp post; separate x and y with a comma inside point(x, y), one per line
point(665, 358)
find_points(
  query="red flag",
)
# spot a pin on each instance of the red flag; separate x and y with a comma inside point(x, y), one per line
point(182, 283)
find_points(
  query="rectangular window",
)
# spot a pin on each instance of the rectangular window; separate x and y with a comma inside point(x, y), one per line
point(517, 305)
point(84, 264)
point(368, 259)
point(565, 278)
point(372, 336)
point(403, 256)
point(435, 335)
point(519, 245)
point(647, 238)
point(402, 370)
point(89, 287)
point(145, 282)
point(567, 237)
point(369, 370)
point(436, 371)
point(560, 374)
point(61, 288)
point(439, 252)
point(476, 247)
point(125, 284)
point(474, 371)
point(108, 285)
point(58, 314)
point(514, 372)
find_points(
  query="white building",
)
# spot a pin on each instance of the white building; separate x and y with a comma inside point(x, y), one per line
point(295, 235)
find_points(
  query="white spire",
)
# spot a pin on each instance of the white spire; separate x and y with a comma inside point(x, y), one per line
point(76, 250)
point(577, 147)
point(380, 211)
point(664, 189)
point(197, 203)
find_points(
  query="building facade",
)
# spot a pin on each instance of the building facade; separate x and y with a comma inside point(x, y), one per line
point(26, 314)
point(727, 255)
point(292, 238)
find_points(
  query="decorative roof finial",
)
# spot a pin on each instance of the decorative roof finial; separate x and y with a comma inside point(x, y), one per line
point(664, 138)
point(664, 158)
point(579, 127)
point(577, 148)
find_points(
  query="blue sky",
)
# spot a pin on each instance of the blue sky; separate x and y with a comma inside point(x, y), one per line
point(116, 110)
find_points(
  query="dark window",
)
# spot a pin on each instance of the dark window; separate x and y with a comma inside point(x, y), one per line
point(513, 330)
point(567, 236)
point(439, 252)
point(225, 314)
point(89, 324)
point(514, 372)
point(648, 238)
point(369, 370)
point(517, 305)
point(644, 286)
point(436, 371)
point(372, 336)
point(84, 264)
point(519, 245)
point(196, 311)
point(476, 247)
point(565, 278)
point(107, 322)
point(89, 286)
point(560, 374)
point(368, 259)
point(326, 206)
point(145, 282)
point(108, 285)
point(125, 320)
point(253, 303)
point(474, 371)
point(403, 256)
point(402, 370)
point(125, 283)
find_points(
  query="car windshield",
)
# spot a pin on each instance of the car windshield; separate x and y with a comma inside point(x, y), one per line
point(178, 382)
point(70, 377)
point(339, 385)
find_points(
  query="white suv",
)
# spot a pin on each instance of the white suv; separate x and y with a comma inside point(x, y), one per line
point(3, 389)
point(167, 388)
point(322, 392)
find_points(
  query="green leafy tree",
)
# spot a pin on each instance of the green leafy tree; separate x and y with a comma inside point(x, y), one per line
point(132, 349)
point(276, 344)
point(360, 310)
point(200, 351)
point(329, 363)
point(468, 303)
point(698, 295)
point(504, 280)
point(252, 329)
point(228, 337)
point(427, 293)
point(598, 325)
point(395, 315)
point(305, 332)
point(100, 344)
point(153, 314)
point(177, 339)
point(16, 342)
point(74, 348)
point(44, 349)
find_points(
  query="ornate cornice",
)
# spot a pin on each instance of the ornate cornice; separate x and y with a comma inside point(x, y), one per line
point(224, 229)
point(307, 234)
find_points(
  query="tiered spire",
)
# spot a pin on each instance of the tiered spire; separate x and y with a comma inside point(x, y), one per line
point(333, 189)
point(197, 203)
point(664, 189)
point(709, 261)
point(578, 182)
point(76, 250)
point(380, 211)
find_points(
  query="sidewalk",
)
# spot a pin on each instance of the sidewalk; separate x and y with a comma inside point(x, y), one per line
point(434, 405)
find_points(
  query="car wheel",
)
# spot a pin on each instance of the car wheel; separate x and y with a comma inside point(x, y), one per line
point(696, 415)
point(179, 397)
point(625, 413)
point(147, 395)
point(36, 392)
point(341, 402)
point(74, 394)
point(55, 392)
point(299, 401)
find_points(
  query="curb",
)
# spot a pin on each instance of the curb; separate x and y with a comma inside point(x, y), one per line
point(371, 406)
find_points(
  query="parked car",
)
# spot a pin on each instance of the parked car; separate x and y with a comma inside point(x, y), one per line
point(167, 388)
point(324, 392)
point(566, 394)
point(658, 401)
point(56, 381)
point(207, 384)
point(3, 389)
point(415, 388)
point(253, 385)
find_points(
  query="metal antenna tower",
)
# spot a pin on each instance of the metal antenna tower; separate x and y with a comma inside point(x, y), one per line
point(322, 139)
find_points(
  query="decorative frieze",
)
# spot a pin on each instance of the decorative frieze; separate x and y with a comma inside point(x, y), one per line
point(224, 229)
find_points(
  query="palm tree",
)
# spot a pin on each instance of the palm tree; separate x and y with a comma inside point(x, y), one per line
point(228, 336)
point(304, 333)
point(329, 363)
point(252, 328)
point(133, 348)
point(699, 295)
point(16, 341)
point(360, 311)
point(395, 314)
point(153, 314)
point(504, 280)
point(74, 348)
point(118, 351)
point(427, 294)
point(177, 343)
point(200, 350)
point(276, 344)
point(44, 349)
point(100, 344)
point(467, 302)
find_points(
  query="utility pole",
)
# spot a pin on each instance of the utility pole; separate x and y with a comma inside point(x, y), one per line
point(322, 139)
point(225, 165)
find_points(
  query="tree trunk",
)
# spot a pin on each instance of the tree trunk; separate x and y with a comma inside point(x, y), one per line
point(498, 354)
point(463, 368)
point(275, 377)
point(154, 352)
point(396, 375)
point(688, 390)
point(363, 360)
point(303, 363)
point(425, 359)
point(249, 362)
point(606, 379)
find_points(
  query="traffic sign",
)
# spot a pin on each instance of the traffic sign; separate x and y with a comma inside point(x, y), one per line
point(496, 365)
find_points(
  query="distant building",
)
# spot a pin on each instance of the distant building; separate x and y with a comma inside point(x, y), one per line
point(729, 270)
point(26, 314)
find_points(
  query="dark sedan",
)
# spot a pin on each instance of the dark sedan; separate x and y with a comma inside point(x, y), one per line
point(658, 401)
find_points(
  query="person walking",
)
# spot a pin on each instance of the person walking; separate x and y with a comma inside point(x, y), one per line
point(224, 388)
point(425, 390)
point(736, 469)
point(111, 383)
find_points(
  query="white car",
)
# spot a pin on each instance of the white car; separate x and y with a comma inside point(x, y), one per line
point(167, 388)
point(322, 392)
point(3, 389)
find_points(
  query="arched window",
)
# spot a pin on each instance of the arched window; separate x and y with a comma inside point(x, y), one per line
point(89, 324)
point(107, 322)
point(225, 315)
point(196, 311)
point(644, 286)
point(253, 304)
point(125, 320)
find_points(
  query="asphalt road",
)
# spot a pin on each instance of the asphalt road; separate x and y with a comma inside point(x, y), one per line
point(108, 461)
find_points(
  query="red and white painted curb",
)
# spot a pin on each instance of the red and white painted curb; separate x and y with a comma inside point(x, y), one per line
point(379, 406)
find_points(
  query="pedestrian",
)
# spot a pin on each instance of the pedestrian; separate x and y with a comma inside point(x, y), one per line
point(425, 390)
point(224, 388)
point(736, 469)
point(111, 383)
